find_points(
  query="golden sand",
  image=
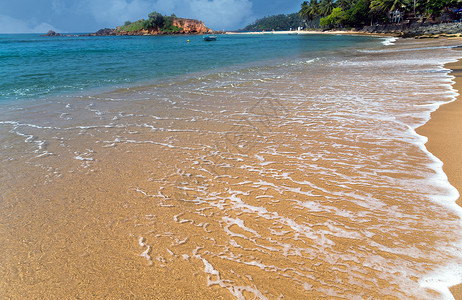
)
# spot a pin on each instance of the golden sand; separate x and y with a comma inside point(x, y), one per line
point(444, 132)
point(114, 212)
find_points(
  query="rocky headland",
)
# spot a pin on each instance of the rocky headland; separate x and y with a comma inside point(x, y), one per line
point(171, 25)
point(186, 26)
point(415, 29)
point(51, 33)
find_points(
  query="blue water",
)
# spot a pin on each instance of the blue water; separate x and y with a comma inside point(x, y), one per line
point(32, 66)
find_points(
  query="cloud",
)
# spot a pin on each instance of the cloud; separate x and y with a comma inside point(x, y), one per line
point(13, 25)
point(217, 14)
point(222, 14)
point(116, 12)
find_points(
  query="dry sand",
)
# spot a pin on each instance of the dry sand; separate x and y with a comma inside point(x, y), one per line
point(444, 132)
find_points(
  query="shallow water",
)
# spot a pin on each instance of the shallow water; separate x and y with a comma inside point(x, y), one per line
point(295, 177)
point(41, 67)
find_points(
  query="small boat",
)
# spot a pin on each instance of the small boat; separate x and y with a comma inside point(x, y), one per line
point(209, 38)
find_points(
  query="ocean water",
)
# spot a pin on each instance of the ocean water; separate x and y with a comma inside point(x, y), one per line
point(260, 167)
point(34, 66)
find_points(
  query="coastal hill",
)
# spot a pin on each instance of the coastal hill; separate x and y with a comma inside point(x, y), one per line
point(158, 24)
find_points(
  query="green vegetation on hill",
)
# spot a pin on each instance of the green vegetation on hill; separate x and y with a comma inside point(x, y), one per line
point(155, 21)
point(129, 26)
point(355, 13)
point(276, 22)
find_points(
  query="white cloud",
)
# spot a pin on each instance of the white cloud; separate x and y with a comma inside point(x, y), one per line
point(216, 14)
point(222, 14)
point(116, 12)
point(13, 25)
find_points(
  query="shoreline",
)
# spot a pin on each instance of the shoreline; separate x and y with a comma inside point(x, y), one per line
point(308, 32)
point(141, 171)
point(443, 131)
point(419, 32)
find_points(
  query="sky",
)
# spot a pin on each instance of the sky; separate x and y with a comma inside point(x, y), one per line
point(79, 16)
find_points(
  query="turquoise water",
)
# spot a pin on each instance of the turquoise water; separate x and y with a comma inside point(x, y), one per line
point(32, 66)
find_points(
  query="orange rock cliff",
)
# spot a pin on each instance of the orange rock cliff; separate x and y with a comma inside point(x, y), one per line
point(191, 26)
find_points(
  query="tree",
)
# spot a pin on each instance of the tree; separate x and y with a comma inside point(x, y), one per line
point(335, 19)
point(276, 22)
point(419, 6)
point(156, 20)
point(436, 6)
point(389, 5)
point(305, 11)
point(346, 4)
point(326, 7)
point(310, 11)
point(359, 14)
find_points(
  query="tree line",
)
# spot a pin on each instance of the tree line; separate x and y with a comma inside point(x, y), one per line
point(356, 13)
point(276, 22)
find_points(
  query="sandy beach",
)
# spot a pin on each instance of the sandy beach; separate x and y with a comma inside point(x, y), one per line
point(298, 177)
point(444, 132)
point(304, 32)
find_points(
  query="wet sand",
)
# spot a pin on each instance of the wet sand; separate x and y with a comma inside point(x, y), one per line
point(190, 191)
point(444, 132)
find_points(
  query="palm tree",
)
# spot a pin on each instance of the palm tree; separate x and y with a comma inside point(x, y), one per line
point(326, 7)
point(388, 5)
point(345, 4)
point(305, 10)
point(436, 6)
point(310, 11)
point(314, 8)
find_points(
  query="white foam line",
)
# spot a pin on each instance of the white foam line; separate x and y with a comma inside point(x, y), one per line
point(18, 124)
point(78, 157)
point(236, 291)
point(150, 142)
point(389, 41)
point(30, 138)
point(446, 276)
point(407, 50)
point(146, 252)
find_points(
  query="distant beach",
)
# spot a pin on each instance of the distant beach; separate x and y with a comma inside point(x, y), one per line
point(295, 32)
point(406, 30)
